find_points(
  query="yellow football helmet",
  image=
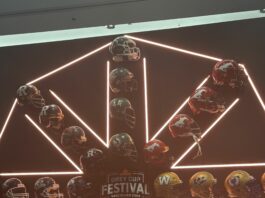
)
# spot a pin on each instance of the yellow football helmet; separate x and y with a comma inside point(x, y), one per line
point(201, 184)
point(168, 185)
point(236, 184)
point(263, 181)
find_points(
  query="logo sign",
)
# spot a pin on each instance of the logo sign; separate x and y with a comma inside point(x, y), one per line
point(125, 184)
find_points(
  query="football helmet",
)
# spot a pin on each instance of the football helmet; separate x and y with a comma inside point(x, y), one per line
point(124, 49)
point(51, 116)
point(73, 138)
point(207, 100)
point(92, 161)
point(228, 73)
point(46, 187)
point(79, 187)
point(241, 184)
point(183, 125)
point(14, 188)
point(263, 181)
point(122, 145)
point(155, 152)
point(30, 95)
point(121, 109)
point(168, 185)
point(201, 184)
point(122, 80)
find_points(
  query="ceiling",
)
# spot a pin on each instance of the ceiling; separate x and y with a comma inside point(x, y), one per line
point(36, 16)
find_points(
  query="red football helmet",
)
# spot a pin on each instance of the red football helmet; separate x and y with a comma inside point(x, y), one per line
point(229, 73)
point(155, 152)
point(206, 99)
point(184, 126)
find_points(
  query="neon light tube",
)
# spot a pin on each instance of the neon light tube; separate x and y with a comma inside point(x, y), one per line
point(205, 133)
point(220, 166)
point(53, 143)
point(8, 118)
point(68, 64)
point(177, 111)
point(146, 102)
point(78, 118)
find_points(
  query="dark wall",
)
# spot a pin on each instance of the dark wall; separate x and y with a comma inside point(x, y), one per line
point(173, 76)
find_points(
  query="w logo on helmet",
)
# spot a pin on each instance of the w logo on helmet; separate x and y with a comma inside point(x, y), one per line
point(164, 180)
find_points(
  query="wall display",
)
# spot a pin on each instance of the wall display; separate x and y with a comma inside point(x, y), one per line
point(163, 114)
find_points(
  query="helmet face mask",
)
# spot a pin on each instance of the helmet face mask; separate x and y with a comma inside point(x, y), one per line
point(155, 152)
point(205, 99)
point(241, 184)
point(124, 49)
point(168, 185)
point(14, 188)
point(122, 80)
point(229, 73)
point(74, 138)
point(121, 109)
point(202, 184)
point(122, 145)
point(183, 125)
point(79, 187)
point(51, 116)
point(30, 95)
point(92, 162)
point(46, 187)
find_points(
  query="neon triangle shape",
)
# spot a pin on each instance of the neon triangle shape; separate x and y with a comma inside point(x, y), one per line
point(175, 164)
point(105, 143)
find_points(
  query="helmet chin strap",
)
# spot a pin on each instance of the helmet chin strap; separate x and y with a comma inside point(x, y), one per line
point(199, 151)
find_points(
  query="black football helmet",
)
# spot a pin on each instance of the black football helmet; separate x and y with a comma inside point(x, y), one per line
point(122, 145)
point(14, 188)
point(124, 49)
point(51, 116)
point(121, 109)
point(122, 80)
point(30, 95)
point(74, 138)
point(46, 187)
point(92, 162)
point(79, 187)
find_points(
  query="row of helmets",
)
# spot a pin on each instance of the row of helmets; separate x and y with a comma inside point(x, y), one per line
point(166, 185)
point(225, 73)
point(202, 184)
point(73, 138)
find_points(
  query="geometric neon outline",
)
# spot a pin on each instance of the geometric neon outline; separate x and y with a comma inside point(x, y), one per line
point(205, 133)
point(8, 118)
point(79, 171)
point(146, 102)
point(77, 117)
point(37, 80)
point(202, 56)
point(68, 64)
point(107, 105)
point(145, 41)
point(174, 166)
point(176, 112)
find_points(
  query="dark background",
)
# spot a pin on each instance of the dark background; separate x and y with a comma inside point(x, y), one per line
point(238, 138)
